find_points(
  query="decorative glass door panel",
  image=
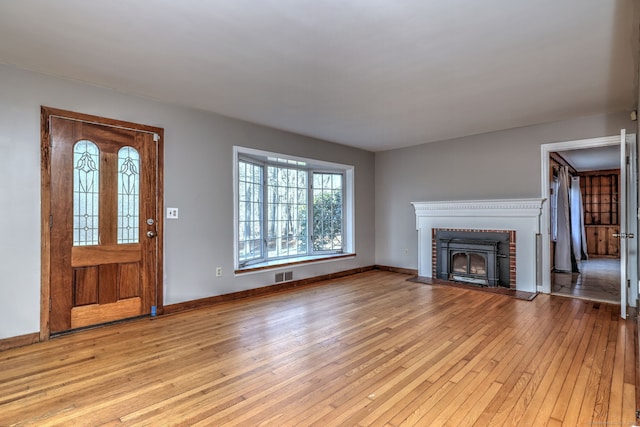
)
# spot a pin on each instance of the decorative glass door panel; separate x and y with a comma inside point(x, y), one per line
point(103, 223)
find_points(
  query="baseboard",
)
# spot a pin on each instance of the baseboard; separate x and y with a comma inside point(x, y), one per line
point(410, 271)
point(265, 290)
point(19, 341)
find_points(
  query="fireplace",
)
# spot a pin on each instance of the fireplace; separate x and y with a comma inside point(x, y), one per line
point(479, 257)
point(518, 217)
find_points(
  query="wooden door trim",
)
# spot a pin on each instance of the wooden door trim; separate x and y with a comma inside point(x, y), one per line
point(45, 200)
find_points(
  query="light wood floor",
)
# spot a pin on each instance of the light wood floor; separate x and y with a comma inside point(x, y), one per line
point(368, 349)
point(598, 279)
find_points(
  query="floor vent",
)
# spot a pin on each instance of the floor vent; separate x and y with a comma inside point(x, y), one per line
point(284, 276)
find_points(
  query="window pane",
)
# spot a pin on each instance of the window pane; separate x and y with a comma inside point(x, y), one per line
point(327, 211)
point(286, 212)
point(86, 182)
point(250, 211)
point(280, 215)
point(128, 195)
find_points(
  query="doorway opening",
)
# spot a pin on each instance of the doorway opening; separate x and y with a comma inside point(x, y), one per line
point(585, 204)
point(608, 246)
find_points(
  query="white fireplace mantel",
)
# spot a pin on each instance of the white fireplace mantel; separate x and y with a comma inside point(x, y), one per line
point(521, 215)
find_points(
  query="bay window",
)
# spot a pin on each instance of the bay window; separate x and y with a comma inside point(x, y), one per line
point(289, 208)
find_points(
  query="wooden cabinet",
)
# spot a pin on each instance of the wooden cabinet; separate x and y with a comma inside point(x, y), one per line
point(600, 197)
point(600, 240)
point(600, 191)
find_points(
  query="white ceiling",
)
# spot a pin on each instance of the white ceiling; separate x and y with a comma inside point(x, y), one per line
point(589, 159)
point(374, 74)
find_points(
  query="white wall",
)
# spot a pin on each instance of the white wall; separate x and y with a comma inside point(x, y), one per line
point(497, 165)
point(198, 181)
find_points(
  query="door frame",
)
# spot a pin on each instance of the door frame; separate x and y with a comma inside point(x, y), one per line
point(631, 208)
point(45, 204)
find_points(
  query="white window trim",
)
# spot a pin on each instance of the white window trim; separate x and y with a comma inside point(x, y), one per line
point(316, 165)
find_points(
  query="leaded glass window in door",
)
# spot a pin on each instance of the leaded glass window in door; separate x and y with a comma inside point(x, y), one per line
point(86, 183)
point(128, 195)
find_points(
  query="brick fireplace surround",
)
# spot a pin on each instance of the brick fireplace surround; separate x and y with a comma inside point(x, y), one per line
point(520, 217)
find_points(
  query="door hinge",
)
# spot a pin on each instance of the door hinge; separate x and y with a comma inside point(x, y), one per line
point(156, 137)
point(50, 221)
point(50, 304)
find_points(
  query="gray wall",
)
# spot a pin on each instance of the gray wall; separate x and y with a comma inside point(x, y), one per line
point(198, 181)
point(495, 165)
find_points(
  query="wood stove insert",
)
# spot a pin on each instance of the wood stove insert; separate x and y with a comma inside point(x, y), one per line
point(480, 258)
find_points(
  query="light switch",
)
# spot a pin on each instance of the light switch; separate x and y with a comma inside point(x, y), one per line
point(172, 213)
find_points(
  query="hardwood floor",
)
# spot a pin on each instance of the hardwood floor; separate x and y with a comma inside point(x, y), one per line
point(368, 349)
point(599, 280)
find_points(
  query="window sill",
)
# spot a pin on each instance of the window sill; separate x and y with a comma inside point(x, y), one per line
point(281, 263)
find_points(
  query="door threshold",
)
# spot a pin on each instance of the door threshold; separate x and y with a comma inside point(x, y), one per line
point(99, 325)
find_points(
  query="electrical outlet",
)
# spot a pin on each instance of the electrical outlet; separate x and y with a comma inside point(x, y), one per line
point(172, 213)
point(218, 271)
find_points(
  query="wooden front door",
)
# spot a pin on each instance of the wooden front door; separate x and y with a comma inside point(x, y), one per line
point(104, 220)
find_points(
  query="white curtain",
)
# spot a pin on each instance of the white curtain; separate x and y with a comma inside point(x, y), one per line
point(563, 237)
point(578, 234)
point(554, 208)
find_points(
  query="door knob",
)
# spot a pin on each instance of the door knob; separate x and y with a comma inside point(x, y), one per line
point(151, 234)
